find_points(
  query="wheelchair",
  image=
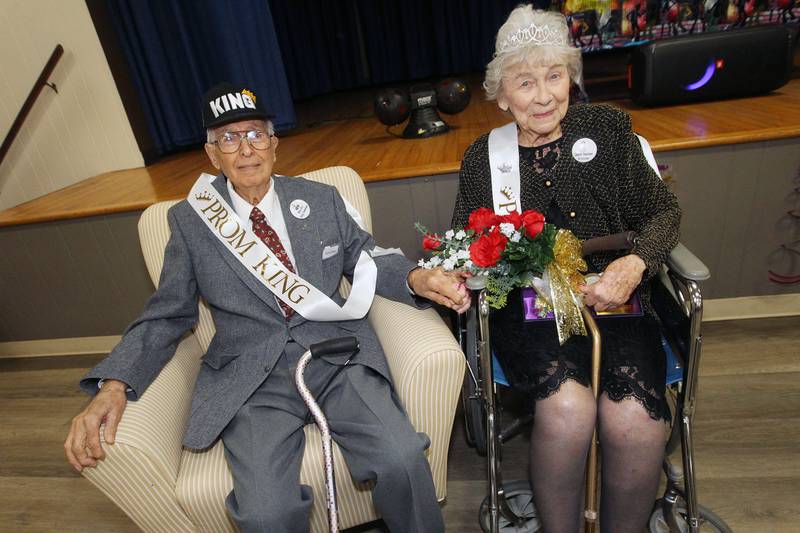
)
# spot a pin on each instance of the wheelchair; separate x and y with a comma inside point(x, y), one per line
point(509, 507)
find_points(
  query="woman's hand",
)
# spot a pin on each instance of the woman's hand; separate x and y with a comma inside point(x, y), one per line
point(616, 285)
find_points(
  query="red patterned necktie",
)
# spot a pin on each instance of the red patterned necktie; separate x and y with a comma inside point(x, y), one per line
point(265, 232)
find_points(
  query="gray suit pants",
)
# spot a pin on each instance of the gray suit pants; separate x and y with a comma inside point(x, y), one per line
point(264, 447)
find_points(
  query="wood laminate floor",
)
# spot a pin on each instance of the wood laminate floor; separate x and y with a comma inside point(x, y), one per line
point(747, 440)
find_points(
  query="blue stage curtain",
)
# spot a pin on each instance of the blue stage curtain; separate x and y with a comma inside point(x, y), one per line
point(413, 39)
point(343, 44)
point(320, 45)
point(178, 49)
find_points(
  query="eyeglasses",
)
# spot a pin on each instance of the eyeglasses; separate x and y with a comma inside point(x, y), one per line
point(230, 141)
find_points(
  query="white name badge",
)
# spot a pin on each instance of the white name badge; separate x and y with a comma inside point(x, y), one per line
point(299, 209)
point(258, 259)
point(584, 150)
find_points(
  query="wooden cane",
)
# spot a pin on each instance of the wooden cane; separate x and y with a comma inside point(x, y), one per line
point(590, 511)
point(619, 241)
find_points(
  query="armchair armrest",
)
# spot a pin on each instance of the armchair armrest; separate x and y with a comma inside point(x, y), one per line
point(427, 366)
point(687, 265)
point(140, 470)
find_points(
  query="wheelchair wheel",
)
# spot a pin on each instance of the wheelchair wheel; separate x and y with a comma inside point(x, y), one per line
point(474, 414)
point(711, 523)
point(520, 500)
point(474, 418)
point(674, 440)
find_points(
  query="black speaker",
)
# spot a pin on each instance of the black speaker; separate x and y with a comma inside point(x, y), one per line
point(708, 66)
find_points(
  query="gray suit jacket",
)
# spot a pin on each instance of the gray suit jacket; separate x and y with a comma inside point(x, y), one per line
point(251, 332)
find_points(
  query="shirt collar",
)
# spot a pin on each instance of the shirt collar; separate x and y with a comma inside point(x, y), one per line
point(243, 208)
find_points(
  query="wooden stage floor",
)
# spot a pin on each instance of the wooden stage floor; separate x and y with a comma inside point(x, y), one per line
point(356, 139)
point(747, 430)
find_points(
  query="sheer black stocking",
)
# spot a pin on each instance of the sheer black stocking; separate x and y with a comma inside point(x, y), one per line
point(632, 446)
point(560, 440)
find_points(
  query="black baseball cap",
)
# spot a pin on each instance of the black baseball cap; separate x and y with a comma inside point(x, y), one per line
point(225, 103)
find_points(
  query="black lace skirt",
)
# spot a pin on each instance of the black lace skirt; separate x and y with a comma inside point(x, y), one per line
point(633, 359)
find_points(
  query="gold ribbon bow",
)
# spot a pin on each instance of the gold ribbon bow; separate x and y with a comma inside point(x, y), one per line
point(565, 277)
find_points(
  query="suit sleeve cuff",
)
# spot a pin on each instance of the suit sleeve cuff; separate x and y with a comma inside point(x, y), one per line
point(100, 383)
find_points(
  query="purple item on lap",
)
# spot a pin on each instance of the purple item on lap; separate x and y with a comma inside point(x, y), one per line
point(633, 307)
point(530, 313)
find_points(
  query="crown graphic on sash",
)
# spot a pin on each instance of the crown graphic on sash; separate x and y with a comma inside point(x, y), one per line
point(532, 34)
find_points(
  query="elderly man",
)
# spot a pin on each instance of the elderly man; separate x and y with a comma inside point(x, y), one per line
point(266, 253)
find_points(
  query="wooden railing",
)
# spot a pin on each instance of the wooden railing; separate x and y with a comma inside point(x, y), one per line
point(41, 81)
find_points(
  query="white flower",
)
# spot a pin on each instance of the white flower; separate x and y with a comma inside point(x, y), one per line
point(507, 229)
point(515, 237)
point(449, 263)
point(421, 263)
point(468, 264)
point(435, 261)
point(462, 254)
point(461, 234)
point(449, 234)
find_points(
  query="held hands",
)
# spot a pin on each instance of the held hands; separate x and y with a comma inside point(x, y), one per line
point(82, 446)
point(616, 285)
point(444, 288)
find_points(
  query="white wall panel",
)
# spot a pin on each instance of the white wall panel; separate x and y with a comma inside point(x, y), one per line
point(80, 132)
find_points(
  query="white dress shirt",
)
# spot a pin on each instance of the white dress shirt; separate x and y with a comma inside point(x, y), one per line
point(271, 207)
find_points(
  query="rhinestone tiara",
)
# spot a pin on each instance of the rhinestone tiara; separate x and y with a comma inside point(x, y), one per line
point(532, 34)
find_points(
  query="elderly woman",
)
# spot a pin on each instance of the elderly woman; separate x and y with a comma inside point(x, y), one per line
point(583, 167)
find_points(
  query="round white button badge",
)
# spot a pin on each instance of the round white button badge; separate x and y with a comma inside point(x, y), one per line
point(584, 150)
point(299, 209)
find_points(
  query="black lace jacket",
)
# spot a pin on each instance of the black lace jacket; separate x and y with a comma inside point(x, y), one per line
point(616, 191)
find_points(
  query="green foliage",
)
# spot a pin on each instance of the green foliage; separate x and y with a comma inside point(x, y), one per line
point(497, 289)
point(531, 255)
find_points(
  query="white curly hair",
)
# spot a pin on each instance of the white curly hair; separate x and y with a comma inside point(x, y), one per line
point(549, 46)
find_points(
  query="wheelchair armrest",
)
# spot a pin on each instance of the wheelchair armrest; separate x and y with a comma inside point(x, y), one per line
point(687, 265)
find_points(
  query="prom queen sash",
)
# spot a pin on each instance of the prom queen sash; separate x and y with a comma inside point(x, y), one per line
point(267, 269)
point(504, 165)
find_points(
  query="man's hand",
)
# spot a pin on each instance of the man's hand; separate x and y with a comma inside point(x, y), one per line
point(444, 288)
point(616, 285)
point(83, 442)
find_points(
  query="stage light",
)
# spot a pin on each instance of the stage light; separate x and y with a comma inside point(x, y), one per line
point(392, 106)
point(452, 96)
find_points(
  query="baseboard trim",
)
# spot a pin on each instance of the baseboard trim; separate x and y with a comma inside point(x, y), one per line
point(775, 305)
point(58, 347)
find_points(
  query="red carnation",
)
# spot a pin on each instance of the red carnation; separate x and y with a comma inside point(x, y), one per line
point(512, 218)
point(431, 242)
point(533, 222)
point(486, 251)
point(482, 219)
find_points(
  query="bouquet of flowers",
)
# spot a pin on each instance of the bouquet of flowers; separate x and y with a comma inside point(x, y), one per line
point(515, 250)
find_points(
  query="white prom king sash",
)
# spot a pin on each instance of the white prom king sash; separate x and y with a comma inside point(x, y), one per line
point(258, 259)
point(504, 165)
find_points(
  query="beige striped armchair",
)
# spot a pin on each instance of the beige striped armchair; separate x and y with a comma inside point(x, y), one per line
point(166, 488)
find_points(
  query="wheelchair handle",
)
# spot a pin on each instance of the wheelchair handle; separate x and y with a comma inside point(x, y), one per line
point(340, 345)
point(625, 240)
